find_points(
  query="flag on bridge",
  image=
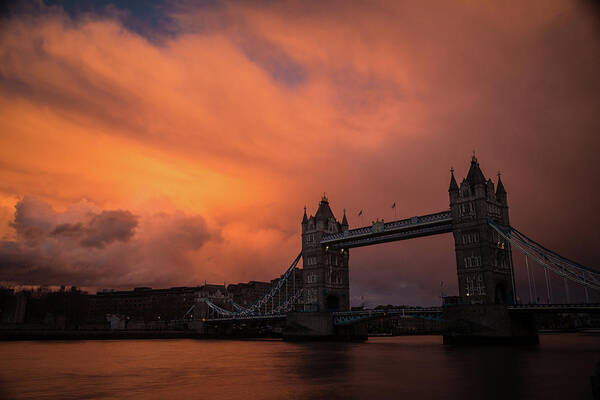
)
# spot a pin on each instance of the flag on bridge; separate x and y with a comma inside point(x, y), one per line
point(394, 205)
point(360, 213)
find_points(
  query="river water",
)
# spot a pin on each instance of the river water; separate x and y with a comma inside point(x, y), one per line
point(410, 367)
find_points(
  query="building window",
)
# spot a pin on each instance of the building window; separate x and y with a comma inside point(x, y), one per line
point(470, 237)
point(466, 209)
point(337, 278)
point(310, 261)
point(310, 238)
point(473, 261)
point(494, 209)
point(333, 259)
point(311, 296)
point(474, 285)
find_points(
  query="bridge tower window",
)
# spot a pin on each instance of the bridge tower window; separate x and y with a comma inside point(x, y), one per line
point(311, 261)
point(480, 285)
point(311, 278)
point(470, 237)
point(473, 261)
point(310, 238)
point(467, 209)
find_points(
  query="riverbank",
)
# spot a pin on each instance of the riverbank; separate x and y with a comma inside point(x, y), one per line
point(116, 334)
point(16, 335)
point(39, 334)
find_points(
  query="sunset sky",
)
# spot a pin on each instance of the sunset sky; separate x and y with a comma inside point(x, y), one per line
point(178, 143)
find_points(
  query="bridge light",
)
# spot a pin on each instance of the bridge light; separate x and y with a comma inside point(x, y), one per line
point(326, 247)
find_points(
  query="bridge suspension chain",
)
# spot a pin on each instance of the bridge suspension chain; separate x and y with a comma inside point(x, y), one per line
point(263, 301)
point(284, 307)
point(236, 306)
point(261, 306)
point(550, 260)
point(289, 303)
point(217, 309)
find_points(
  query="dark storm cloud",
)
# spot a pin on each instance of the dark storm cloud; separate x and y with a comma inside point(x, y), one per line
point(110, 226)
point(150, 18)
point(35, 220)
point(71, 230)
point(88, 248)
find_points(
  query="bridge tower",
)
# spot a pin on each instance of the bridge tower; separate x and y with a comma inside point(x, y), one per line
point(326, 278)
point(483, 260)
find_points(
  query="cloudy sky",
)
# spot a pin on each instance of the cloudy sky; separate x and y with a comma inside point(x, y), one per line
point(179, 142)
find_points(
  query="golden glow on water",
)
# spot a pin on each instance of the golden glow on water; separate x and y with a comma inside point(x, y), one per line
point(417, 367)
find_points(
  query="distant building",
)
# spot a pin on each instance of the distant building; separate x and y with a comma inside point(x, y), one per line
point(147, 304)
point(248, 293)
point(140, 308)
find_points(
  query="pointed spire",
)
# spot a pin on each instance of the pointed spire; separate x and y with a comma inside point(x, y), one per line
point(324, 211)
point(475, 175)
point(453, 185)
point(304, 218)
point(345, 221)
point(500, 188)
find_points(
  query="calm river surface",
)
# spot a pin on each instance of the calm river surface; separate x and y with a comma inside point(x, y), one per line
point(417, 367)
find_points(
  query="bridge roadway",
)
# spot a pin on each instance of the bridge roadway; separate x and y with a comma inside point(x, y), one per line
point(560, 308)
point(435, 313)
point(383, 232)
point(351, 317)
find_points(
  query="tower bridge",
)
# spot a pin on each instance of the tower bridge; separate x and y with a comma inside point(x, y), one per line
point(486, 306)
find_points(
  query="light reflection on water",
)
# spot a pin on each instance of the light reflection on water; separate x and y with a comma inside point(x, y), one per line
point(418, 367)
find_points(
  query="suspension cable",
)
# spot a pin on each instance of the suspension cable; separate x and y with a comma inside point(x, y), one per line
point(528, 277)
point(548, 259)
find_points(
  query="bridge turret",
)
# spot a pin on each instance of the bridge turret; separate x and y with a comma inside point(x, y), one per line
point(483, 260)
point(453, 189)
point(324, 215)
point(500, 191)
point(475, 178)
point(326, 280)
point(345, 222)
point(475, 175)
point(304, 220)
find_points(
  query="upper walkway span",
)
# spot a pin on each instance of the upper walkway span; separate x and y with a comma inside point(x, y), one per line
point(383, 232)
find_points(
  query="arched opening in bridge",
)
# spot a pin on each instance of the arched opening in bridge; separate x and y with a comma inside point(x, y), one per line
point(332, 303)
point(501, 294)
